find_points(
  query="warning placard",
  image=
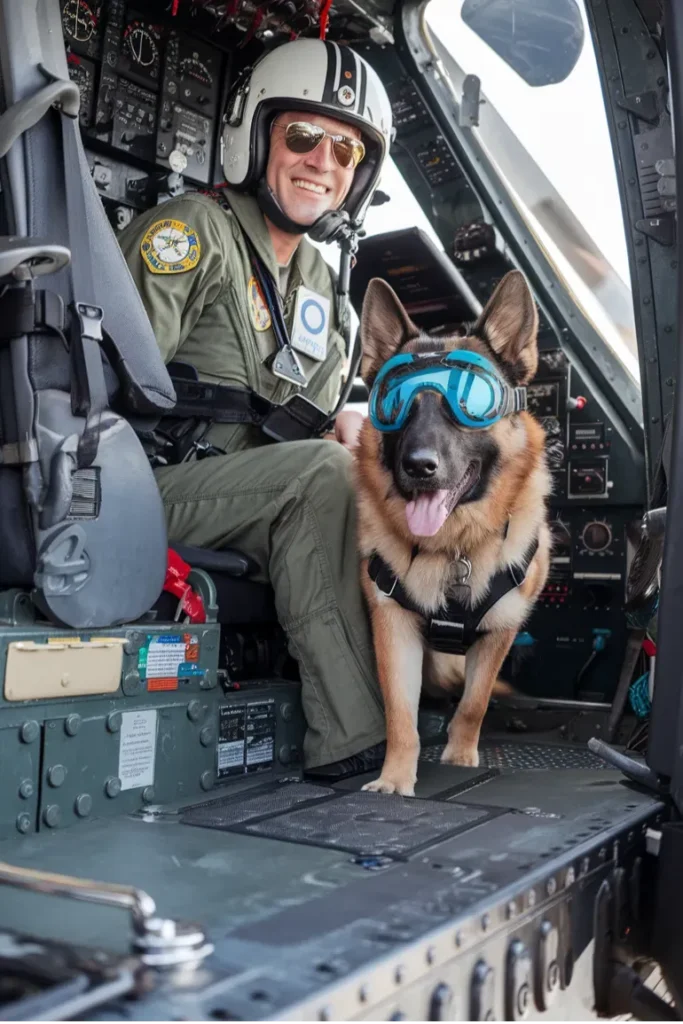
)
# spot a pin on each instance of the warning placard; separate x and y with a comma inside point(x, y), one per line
point(137, 752)
point(246, 738)
point(164, 657)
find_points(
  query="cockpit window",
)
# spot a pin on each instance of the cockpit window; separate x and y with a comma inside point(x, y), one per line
point(550, 145)
point(402, 210)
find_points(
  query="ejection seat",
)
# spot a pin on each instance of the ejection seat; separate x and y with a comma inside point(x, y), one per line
point(81, 520)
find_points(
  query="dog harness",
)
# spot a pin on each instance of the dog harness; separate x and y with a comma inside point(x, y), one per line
point(455, 627)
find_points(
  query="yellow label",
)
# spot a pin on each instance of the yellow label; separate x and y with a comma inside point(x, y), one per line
point(170, 247)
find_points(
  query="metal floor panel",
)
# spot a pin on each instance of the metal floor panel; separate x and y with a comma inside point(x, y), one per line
point(355, 822)
point(515, 757)
point(231, 811)
point(299, 930)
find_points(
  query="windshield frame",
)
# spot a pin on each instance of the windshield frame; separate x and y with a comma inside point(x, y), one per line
point(441, 93)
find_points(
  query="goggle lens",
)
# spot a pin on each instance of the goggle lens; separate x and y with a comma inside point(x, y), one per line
point(475, 395)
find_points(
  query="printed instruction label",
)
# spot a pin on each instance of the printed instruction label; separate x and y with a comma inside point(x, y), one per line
point(137, 751)
point(165, 655)
point(164, 659)
point(246, 738)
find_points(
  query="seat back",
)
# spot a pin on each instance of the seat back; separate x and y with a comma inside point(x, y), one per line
point(81, 519)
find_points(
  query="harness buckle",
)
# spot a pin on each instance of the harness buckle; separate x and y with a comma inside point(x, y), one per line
point(387, 593)
point(518, 575)
point(90, 319)
point(446, 637)
point(463, 578)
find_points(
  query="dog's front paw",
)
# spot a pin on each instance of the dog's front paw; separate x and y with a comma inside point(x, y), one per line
point(391, 784)
point(465, 757)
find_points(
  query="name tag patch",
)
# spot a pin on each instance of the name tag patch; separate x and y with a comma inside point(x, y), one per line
point(311, 324)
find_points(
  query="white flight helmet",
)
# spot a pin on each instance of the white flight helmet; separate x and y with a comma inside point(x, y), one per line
point(312, 76)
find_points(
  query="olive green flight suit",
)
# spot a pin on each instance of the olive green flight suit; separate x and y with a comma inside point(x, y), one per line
point(288, 505)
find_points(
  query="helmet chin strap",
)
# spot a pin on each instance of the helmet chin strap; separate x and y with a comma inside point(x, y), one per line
point(269, 206)
point(332, 226)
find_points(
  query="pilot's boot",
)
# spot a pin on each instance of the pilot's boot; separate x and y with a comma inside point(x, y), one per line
point(292, 508)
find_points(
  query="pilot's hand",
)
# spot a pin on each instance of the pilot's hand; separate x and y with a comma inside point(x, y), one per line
point(347, 428)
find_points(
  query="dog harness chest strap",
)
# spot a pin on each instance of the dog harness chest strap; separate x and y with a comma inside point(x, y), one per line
point(455, 627)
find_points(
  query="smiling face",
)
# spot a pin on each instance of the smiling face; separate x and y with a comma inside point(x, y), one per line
point(307, 185)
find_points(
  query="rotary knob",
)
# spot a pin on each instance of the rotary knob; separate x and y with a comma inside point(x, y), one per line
point(596, 536)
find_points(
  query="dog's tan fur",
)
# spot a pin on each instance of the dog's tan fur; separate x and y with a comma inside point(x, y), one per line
point(516, 495)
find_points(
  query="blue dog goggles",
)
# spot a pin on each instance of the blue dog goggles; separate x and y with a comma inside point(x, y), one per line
point(472, 388)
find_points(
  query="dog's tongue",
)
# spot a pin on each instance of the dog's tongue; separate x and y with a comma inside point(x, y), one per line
point(427, 513)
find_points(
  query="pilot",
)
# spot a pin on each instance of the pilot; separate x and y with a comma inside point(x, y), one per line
point(306, 135)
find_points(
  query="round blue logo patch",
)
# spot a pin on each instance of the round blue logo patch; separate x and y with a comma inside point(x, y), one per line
point(313, 316)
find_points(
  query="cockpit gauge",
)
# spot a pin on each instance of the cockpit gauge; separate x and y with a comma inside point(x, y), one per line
point(191, 67)
point(141, 46)
point(82, 26)
point(596, 536)
point(79, 21)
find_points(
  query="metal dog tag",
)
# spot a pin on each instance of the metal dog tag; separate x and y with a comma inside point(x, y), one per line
point(287, 366)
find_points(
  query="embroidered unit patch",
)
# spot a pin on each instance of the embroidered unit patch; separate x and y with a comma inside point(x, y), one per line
point(170, 247)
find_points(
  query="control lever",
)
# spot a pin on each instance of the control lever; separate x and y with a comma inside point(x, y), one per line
point(576, 403)
point(161, 942)
point(639, 773)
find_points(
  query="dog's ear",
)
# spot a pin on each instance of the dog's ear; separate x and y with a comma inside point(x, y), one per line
point(384, 327)
point(509, 322)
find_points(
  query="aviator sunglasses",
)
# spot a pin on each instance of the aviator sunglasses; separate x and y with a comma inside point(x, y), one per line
point(303, 137)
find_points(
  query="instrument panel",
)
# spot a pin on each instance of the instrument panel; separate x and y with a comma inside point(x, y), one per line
point(153, 75)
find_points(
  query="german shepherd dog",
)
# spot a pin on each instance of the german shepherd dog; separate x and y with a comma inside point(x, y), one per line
point(435, 496)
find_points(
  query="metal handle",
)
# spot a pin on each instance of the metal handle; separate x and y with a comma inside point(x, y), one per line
point(161, 942)
point(27, 112)
point(108, 894)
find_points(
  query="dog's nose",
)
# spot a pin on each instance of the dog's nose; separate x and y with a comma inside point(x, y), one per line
point(421, 463)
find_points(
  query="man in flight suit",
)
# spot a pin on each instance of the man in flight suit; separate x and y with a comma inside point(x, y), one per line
point(289, 505)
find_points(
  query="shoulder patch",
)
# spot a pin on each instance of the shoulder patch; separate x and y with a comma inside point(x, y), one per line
point(170, 247)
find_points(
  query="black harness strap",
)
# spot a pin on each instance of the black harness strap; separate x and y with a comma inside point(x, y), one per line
point(218, 402)
point(295, 420)
point(455, 627)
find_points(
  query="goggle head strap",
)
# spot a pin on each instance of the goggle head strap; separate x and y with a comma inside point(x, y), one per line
point(514, 400)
